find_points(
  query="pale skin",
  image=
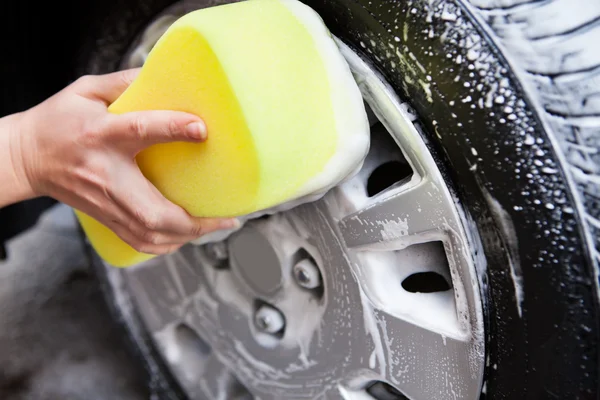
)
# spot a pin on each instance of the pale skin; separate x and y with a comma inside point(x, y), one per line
point(72, 149)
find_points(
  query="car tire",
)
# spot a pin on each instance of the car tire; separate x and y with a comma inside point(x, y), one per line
point(508, 98)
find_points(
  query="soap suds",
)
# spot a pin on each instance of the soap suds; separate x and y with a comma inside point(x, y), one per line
point(509, 236)
point(549, 51)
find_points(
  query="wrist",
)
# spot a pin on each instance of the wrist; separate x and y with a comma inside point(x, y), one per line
point(15, 185)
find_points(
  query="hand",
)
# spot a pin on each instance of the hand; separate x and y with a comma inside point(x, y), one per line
point(72, 149)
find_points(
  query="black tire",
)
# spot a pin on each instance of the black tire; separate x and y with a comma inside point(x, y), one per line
point(506, 134)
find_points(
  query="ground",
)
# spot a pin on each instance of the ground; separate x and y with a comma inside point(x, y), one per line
point(57, 341)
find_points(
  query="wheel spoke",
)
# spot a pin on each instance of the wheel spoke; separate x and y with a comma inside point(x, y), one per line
point(335, 393)
point(218, 383)
point(424, 364)
point(412, 213)
point(162, 288)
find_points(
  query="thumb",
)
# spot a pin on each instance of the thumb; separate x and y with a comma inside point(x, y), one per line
point(138, 130)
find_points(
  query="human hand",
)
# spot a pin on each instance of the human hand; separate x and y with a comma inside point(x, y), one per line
point(72, 149)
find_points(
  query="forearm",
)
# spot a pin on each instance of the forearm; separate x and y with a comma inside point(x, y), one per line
point(14, 185)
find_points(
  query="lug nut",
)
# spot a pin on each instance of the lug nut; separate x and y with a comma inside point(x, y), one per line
point(217, 251)
point(307, 274)
point(269, 319)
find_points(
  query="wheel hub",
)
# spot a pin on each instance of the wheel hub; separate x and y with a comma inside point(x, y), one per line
point(258, 294)
point(256, 261)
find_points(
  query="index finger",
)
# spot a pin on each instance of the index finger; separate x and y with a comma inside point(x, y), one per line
point(109, 87)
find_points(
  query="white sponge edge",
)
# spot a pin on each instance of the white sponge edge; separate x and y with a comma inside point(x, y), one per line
point(351, 119)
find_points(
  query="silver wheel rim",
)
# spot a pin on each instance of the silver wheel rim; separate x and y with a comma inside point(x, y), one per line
point(338, 299)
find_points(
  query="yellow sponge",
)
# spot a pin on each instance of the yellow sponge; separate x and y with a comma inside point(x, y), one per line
point(284, 115)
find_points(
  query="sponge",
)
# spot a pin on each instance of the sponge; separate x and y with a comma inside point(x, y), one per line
point(285, 118)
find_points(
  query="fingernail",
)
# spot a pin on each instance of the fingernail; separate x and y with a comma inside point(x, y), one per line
point(196, 130)
point(230, 223)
